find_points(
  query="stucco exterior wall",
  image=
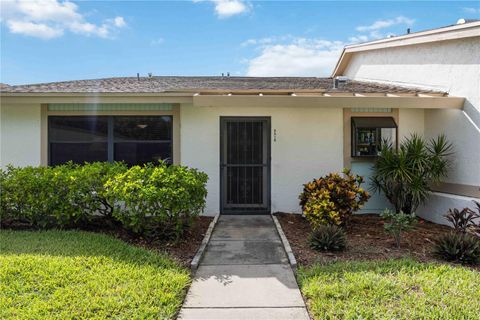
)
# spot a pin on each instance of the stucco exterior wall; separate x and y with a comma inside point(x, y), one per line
point(308, 144)
point(451, 66)
point(20, 128)
point(411, 121)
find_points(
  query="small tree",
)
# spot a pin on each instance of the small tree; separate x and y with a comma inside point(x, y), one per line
point(404, 175)
point(397, 223)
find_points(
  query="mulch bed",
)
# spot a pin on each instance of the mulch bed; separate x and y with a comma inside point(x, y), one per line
point(182, 251)
point(366, 240)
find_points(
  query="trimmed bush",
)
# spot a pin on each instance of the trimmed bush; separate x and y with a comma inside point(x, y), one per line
point(332, 199)
point(33, 195)
point(458, 247)
point(328, 238)
point(88, 192)
point(157, 200)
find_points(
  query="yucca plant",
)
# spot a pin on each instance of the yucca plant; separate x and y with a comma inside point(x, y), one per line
point(404, 175)
point(328, 238)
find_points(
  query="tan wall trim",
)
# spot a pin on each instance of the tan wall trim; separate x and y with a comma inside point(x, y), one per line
point(347, 130)
point(457, 189)
point(43, 135)
point(175, 112)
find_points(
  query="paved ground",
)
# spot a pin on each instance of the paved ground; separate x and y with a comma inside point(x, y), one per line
point(244, 275)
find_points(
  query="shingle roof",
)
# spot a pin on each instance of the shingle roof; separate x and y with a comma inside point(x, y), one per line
point(177, 83)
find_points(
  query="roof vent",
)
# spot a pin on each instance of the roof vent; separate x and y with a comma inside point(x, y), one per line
point(339, 82)
point(463, 21)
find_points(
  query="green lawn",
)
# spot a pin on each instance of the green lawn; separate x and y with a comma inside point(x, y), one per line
point(81, 275)
point(395, 289)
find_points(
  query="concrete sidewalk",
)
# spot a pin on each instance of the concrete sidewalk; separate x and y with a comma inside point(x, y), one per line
point(244, 274)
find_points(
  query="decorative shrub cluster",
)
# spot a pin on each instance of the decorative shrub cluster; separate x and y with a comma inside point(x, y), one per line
point(332, 199)
point(463, 244)
point(161, 198)
point(328, 238)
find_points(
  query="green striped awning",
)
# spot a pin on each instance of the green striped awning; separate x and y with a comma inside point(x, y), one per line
point(371, 110)
point(110, 107)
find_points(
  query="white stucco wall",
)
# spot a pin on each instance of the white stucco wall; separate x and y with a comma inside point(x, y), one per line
point(20, 135)
point(309, 144)
point(452, 66)
point(410, 121)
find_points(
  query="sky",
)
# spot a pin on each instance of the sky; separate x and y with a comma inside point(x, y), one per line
point(56, 40)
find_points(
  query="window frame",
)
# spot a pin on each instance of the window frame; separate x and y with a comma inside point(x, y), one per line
point(110, 133)
point(373, 119)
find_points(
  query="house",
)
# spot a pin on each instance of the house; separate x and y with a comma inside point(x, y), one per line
point(258, 139)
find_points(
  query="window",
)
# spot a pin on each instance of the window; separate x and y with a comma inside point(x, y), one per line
point(132, 139)
point(368, 133)
point(138, 140)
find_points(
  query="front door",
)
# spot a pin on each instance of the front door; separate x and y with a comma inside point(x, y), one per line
point(244, 165)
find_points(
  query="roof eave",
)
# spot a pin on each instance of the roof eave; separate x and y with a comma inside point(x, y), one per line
point(328, 101)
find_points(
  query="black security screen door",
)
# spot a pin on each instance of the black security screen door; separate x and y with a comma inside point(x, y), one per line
point(245, 165)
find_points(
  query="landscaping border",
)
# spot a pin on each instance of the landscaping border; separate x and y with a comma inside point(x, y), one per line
point(286, 245)
point(201, 250)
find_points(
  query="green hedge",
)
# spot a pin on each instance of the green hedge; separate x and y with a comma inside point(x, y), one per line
point(160, 199)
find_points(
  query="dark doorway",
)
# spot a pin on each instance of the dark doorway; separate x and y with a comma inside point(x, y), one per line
point(245, 165)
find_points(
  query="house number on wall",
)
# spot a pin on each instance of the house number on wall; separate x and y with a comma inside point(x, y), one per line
point(274, 135)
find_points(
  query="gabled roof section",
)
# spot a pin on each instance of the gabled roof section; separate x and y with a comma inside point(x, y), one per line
point(190, 86)
point(453, 32)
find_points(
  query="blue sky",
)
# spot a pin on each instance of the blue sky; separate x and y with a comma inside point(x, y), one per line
point(54, 40)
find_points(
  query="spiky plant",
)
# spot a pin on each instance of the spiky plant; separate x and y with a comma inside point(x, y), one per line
point(328, 238)
point(458, 247)
point(404, 175)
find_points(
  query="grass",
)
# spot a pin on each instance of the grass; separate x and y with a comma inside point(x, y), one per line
point(82, 275)
point(392, 289)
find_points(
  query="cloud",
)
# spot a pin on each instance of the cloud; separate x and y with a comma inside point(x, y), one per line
point(228, 8)
point(376, 30)
point(299, 57)
point(471, 10)
point(157, 42)
point(38, 30)
point(382, 24)
point(47, 19)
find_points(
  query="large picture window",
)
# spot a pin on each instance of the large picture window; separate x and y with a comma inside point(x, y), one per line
point(132, 139)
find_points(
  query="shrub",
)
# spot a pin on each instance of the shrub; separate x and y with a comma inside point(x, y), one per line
point(332, 199)
point(328, 238)
point(64, 195)
point(398, 223)
point(458, 247)
point(404, 175)
point(31, 195)
point(157, 200)
point(88, 191)
point(463, 220)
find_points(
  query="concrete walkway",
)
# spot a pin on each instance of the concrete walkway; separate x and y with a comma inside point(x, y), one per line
point(244, 275)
